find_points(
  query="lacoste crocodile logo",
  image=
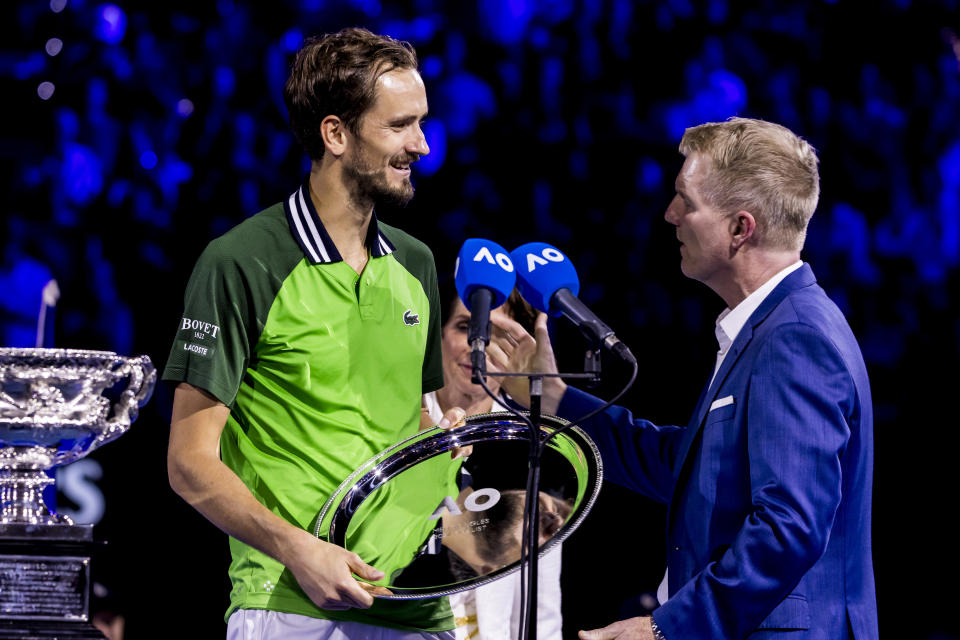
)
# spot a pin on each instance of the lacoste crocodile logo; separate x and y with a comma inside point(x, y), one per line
point(410, 318)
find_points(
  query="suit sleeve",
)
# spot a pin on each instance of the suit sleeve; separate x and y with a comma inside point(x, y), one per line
point(800, 394)
point(636, 454)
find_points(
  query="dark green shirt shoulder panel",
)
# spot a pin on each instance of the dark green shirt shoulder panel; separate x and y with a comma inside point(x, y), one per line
point(227, 300)
point(417, 258)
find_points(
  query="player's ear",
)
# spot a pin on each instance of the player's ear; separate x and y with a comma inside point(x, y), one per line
point(334, 133)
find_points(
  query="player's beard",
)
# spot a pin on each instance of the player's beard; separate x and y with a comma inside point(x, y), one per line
point(371, 185)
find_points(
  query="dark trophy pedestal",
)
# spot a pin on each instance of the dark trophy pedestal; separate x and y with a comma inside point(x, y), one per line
point(45, 582)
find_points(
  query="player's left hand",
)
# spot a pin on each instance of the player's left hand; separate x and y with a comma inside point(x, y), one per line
point(632, 629)
point(374, 589)
point(453, 418)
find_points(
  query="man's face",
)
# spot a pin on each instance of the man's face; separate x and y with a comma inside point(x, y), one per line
point(388, 139)
point(704, 233)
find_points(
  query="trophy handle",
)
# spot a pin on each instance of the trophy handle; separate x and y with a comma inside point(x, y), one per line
point(143, 377)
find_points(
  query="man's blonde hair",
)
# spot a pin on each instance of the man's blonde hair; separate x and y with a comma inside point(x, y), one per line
point(760, 167)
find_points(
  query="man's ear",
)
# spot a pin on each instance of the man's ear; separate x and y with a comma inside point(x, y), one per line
point(333, 131)
point(742, 227)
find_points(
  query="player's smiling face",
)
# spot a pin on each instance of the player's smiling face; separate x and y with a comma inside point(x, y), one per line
point(389, 138)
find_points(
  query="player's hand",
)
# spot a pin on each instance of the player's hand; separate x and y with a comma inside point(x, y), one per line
point(632, 629)
point(514, 350)
point(325, 573)
point(453, 418)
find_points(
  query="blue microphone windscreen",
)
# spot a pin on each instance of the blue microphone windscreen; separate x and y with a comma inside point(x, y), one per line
point(541, 270)
point(484, 264)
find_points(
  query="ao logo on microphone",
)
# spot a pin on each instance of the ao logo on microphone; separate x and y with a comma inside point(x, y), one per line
point(501, 259)
point(551, 255)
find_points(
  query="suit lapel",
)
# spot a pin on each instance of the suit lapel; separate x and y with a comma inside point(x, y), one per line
point(710, 393)
point(802, 277)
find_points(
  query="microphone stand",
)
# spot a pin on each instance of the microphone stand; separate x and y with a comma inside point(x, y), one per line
point(531, 529)
point(530, 547)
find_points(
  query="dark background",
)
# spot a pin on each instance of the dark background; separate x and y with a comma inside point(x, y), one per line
point(551, 120)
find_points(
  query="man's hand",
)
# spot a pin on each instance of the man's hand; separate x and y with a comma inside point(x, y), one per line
point(632, 629)
point(325, 573)
point(513, 350)
point(453, 418)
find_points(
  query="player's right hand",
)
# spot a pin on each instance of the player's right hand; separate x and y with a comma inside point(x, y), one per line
point(325, 573)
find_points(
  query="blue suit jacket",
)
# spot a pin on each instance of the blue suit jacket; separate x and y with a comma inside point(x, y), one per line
point(769, 485)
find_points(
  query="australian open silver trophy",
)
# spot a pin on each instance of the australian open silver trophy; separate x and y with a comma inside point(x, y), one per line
point(56, 406)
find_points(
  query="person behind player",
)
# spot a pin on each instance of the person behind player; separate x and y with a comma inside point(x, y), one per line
point(492, 611)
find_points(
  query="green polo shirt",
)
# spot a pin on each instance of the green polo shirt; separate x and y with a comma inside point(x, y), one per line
point(321, 369)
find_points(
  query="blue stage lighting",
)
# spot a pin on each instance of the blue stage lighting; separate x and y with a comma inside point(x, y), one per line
point(224, 81)
point(476, 100)
point(292, 39)
point(20, 290)
point(731, 88)
point(436, 134)
point(949, 166)
point(431, 67)
point(45, 90)
point(420, 30)
point(111, 24)
point(370, 7)
point(31, 65)
point(184, 107)
point(53, 46)
point(148, 159)
point(506, 20)
point(649, 175)
point(81, 173)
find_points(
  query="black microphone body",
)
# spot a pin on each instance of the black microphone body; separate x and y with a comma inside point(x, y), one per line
point(478, 334)
point(481, 299)
point(592, 327)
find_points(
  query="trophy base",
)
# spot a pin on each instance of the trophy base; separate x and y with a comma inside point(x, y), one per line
point(21, 491)
point(52, 631)
point(45, 581)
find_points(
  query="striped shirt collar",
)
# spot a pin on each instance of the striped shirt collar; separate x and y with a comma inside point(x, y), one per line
point(306, 227)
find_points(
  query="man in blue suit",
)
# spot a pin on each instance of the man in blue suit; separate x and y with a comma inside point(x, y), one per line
point(769, 484)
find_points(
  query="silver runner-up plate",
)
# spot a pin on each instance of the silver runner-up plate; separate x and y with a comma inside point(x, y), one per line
point(437, 526)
